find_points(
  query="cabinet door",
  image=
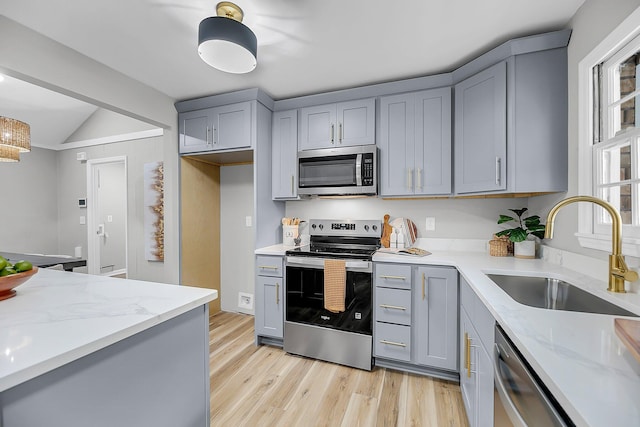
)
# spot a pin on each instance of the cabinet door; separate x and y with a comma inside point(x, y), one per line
point(232, 126)
point(356, 122)
point(484, 391)
point(317, 127)
point(433, 142)
point(396, 144)
point(195, 131)
point(481, 131)
point(269, 319)
point(284, 151)
point(435, 296)
point(468, 380)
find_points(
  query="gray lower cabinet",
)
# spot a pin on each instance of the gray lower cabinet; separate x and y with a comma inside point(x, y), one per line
point(415, 143)
point(476, 357)
point(511, 126)
point(284, 149)
point(416, 318)
point(219, 128)
point(269, 291)
point(338, 125)
point(435, 301)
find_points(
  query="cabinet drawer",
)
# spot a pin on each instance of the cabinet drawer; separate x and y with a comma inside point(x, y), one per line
point(393, 276)
point(393, 306)
point(392, 341)
point(269, 266)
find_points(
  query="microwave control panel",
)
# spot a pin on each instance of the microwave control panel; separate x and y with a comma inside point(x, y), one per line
point(367, 169)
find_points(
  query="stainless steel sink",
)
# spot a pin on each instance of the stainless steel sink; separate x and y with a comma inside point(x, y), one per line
point(554, 294)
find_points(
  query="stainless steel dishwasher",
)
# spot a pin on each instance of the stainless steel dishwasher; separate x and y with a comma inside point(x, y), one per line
point(519, 398)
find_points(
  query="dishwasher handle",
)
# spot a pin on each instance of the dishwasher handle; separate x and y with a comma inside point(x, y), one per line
point(507, 403)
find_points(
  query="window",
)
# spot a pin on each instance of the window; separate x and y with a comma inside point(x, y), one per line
point(609, 137)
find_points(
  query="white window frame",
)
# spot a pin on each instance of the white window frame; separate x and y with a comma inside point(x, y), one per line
point(589, 234)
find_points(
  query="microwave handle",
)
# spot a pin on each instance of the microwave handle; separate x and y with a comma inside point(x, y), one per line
point(359, 170)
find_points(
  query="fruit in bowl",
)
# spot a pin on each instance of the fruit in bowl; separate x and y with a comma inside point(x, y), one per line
point(12, 275)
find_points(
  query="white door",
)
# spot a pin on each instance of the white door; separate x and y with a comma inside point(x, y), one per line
point(107, 216)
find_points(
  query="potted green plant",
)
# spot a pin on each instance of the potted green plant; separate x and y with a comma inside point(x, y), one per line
point(522, 236)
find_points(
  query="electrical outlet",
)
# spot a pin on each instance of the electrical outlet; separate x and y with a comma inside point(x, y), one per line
point(245, 300)
point(247, 221)
point(430, 223)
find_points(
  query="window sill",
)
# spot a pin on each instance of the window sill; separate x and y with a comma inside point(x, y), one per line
point(601, 242)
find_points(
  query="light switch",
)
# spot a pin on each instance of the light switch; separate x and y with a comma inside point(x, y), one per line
point(109, 218)
point(83, 220)
point(247, 221)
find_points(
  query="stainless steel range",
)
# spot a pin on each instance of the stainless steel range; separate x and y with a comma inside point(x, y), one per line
point(310, 329)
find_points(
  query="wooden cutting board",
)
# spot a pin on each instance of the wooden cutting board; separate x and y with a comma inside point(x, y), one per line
point(629, 333)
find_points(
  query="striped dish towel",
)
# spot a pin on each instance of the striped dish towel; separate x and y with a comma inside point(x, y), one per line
point(335, 279)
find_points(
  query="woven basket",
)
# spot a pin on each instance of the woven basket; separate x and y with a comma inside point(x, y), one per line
point(500, 246)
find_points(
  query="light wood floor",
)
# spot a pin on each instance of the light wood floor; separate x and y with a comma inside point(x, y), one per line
point(264, 386)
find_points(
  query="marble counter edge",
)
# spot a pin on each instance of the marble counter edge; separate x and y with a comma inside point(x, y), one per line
point(12, 379)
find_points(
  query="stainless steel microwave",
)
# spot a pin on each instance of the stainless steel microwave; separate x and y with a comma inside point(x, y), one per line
point(338, 171)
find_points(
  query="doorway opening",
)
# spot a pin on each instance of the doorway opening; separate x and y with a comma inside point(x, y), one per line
point(107, 216)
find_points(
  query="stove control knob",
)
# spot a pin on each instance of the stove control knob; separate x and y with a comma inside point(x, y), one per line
point(375, 227)
point(313, 226)
point(321, 226)
point(366, 228)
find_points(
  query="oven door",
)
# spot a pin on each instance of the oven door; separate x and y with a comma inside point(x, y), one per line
point(304, 300)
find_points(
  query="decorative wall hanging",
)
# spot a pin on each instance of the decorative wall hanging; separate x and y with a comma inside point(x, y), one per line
point(154, 211)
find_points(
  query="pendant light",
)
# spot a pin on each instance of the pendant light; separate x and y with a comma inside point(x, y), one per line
point(225, 43)
point(15, 138)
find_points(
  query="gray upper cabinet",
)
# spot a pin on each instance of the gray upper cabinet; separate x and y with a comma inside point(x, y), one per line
point(335, 125)
point(511, 126)
point(284, 155)
point(435, 298)
point(220, 128)
point(415, 143)
point(481, 131)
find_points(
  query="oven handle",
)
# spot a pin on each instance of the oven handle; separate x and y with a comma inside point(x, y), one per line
point(307, 262)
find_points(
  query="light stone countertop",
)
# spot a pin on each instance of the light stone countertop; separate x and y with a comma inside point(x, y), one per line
point(58, 317)
point(577, 355)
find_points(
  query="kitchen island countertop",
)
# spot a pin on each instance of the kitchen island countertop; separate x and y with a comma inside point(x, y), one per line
point(58, 317)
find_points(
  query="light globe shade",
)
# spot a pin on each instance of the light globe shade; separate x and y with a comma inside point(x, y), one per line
point(227, 45)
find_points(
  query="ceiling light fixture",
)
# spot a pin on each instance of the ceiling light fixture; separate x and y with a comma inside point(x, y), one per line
point(15, 138)
point(225, 43)
point(9, 154)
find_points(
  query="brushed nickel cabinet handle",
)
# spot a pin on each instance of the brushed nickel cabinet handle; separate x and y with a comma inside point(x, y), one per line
point(208, 135)
point(394, 277)
point(393, 307)
point(498, 171)
point(267, 267)
point(340, 133)
point(419, 178)
point(292, 179)
point(397, 344)
point(332, 132)
point(423, 286)
point(277, 293)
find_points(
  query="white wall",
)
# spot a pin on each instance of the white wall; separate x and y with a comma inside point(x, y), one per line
point(72, 177)
point(236, 239)
point(29, 204)
point(455, 218)
point(103, 123)
point(591, 24)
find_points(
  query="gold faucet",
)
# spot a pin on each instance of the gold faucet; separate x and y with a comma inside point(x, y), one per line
point(618, 270)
